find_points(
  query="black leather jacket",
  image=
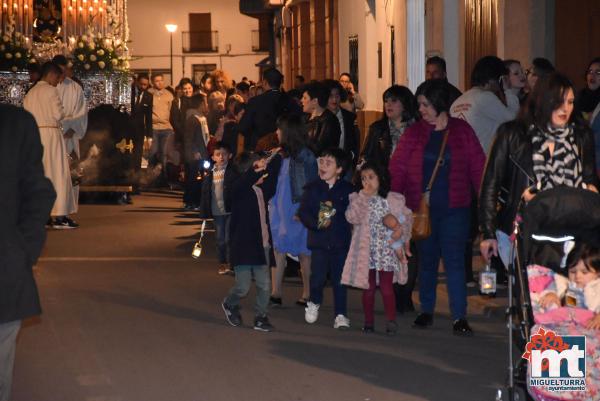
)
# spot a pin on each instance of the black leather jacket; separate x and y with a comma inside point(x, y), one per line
point(323, 132)
point(509, 170)
point(378, 145)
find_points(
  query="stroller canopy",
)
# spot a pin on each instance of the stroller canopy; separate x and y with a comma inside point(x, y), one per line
point(559, 212)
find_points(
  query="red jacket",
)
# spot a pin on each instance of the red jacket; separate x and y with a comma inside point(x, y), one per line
point(467, 161)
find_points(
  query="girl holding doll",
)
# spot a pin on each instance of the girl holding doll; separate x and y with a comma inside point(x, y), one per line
point(379, 248)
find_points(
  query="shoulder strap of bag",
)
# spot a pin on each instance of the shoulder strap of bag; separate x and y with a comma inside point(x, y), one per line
point(438, 163)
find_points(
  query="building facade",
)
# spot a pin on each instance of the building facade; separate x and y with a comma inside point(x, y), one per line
point(210, 34)
point(381, 42)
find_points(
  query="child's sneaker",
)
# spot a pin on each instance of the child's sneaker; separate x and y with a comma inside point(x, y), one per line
point(341, 322)
point(311, 312)
point(275, 302)
point(261, 323)
point(368, 329)
point(391, 328)
point(232, 313)
point(225, 269)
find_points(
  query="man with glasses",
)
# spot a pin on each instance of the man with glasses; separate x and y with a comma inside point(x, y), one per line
point(353, 100)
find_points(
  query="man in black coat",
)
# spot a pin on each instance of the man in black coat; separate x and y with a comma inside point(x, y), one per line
point(262, 111)
point(141, 113)
point(435, 68)
point(27, 198)
point(349, 139)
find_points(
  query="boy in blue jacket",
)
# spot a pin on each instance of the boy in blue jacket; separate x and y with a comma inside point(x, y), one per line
point(322, 210)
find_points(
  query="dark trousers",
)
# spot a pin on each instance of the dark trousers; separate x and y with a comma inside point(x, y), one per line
point(193, 187)
point(473, 232)
point(403, 292)
point(323, 262)
point(448, 235)
point(387, 293)
point(222, 234)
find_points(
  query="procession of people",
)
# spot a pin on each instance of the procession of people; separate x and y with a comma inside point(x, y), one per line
point(288, 176)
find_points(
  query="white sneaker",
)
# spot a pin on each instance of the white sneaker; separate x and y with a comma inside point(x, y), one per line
point(341, 322)
point(311, 312)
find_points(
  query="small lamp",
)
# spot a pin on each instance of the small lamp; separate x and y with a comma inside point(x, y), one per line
point(172, 28)
point(197, 251)
point(487, 281)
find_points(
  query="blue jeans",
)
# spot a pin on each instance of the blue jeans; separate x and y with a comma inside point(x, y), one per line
point(159, 139)
point(243, 279)
point(222, 233)
point(328, 261)
point(449, 233)
point(8, 345)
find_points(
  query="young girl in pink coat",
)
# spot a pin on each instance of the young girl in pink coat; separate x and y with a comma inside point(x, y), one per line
point(372, 260)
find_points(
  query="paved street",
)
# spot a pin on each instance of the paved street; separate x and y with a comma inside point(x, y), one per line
point(130, 316)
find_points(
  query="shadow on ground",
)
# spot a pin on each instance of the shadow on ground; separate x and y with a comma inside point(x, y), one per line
point(394, 372)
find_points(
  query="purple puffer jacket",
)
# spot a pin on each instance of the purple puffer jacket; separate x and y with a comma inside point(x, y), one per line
point(467, 161)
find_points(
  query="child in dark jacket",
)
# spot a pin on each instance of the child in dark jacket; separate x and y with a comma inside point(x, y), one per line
point(322, 210)
point(251, 238)
point(216, 200)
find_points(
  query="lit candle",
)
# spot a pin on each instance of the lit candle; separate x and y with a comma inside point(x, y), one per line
point(26, 19)
point(101, 21)
point(80, 20)
point(4, 15)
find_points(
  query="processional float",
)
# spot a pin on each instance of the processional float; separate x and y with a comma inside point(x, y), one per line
point(93, 35)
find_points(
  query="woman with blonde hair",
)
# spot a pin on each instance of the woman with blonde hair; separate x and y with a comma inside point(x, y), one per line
point(221, 81)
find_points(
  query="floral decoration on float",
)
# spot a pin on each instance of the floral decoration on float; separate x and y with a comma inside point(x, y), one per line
point(15, 49)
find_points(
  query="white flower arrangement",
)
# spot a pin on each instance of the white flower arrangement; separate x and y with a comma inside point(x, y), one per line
point(98, 53)
point(15, 54)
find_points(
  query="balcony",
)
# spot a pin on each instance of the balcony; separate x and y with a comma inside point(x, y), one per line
point(200, 41)
point(260, 41)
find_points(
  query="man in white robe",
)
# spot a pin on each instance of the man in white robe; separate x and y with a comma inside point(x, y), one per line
point(74, 123)
point(44, 103)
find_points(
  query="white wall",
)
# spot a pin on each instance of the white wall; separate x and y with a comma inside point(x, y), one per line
point(372, 26)
point(453, 51)
point(150, 40)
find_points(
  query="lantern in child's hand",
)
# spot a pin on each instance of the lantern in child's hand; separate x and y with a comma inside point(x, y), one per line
point(197, 251)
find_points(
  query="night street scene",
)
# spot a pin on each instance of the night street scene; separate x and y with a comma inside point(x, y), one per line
point(309, 200)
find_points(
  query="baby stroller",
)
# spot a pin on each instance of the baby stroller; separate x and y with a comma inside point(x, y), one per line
point(544, 233)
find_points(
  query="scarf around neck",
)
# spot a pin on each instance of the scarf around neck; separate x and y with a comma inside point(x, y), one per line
point(564, 166)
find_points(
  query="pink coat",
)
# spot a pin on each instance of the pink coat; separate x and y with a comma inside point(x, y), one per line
point(356, 268)
point(467, 160)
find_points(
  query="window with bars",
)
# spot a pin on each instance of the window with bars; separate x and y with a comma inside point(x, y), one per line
point(353, 54)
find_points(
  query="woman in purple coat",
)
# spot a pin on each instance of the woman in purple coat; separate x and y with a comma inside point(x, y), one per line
point(458, 178)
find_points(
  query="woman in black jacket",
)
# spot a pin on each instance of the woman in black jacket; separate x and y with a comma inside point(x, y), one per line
point(400, 108)
point(544, 148)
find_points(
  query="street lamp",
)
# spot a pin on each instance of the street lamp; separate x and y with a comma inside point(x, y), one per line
point(171, 28)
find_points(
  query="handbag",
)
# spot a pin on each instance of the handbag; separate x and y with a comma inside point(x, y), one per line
point(421, 228)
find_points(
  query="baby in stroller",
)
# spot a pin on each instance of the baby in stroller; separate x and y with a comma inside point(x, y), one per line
point(570, 306)
point(580, 290)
